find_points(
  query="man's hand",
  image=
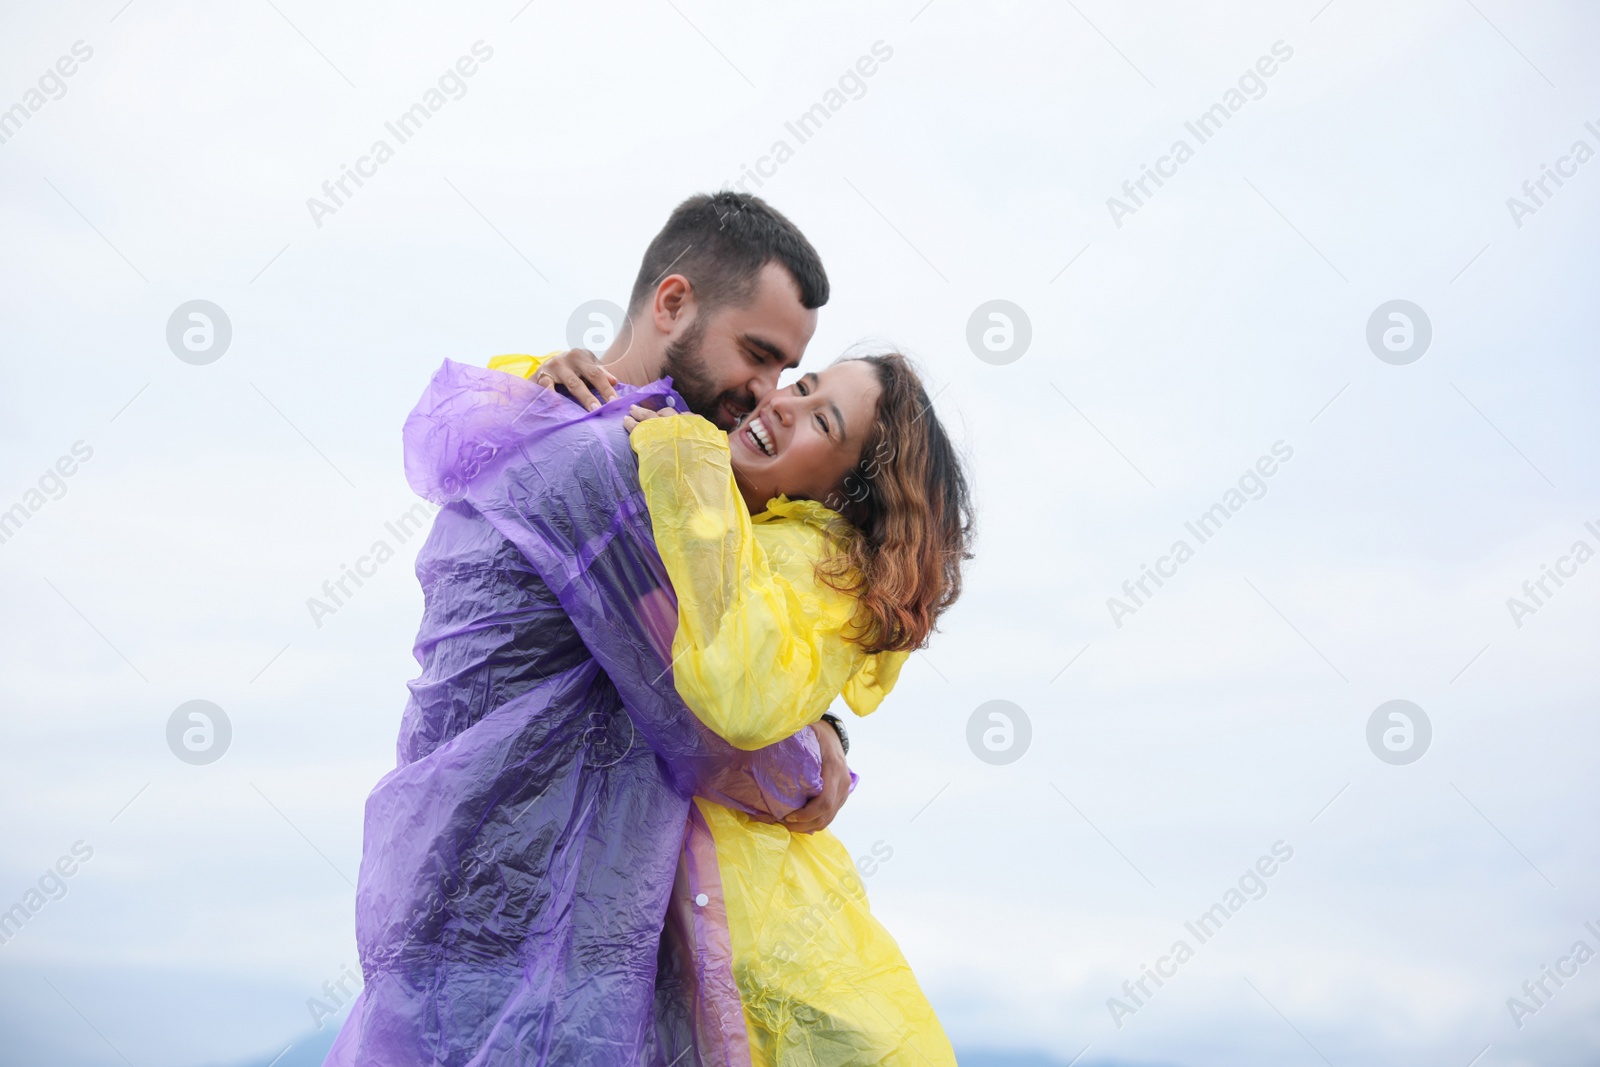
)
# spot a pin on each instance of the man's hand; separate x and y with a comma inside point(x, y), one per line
point(820, 809)
point(578, 370)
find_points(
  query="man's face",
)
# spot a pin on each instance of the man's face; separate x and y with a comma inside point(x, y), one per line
point(725, 362)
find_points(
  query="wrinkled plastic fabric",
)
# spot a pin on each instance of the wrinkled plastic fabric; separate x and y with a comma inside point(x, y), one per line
point(518, 862)
point(756, 627)
point(762, 647)
point(789, 965)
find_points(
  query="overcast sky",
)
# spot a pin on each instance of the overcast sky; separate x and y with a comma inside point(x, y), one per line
point(962, 154)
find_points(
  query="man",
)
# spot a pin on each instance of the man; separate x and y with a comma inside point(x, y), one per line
point(518, 861)
point(725, 300)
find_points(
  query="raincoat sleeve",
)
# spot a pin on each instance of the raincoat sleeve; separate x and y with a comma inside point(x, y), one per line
point(761, 647)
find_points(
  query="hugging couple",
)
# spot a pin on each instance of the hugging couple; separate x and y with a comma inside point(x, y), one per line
point(605, 842)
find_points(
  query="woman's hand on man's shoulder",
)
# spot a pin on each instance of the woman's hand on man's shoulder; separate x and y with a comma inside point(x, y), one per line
point(637, 415)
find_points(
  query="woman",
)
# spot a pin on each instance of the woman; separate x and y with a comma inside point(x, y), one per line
point(811, 548)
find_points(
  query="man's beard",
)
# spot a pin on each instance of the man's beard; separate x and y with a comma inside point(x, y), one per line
point(683, 362)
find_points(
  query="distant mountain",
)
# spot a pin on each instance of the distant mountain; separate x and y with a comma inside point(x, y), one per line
point(310, 1049)
point(997, 1058)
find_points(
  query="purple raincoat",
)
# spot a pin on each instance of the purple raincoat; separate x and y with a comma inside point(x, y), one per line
point(517, 863)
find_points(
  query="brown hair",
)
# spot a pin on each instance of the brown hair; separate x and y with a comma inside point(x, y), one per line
point(908, 521)
point(720, 242)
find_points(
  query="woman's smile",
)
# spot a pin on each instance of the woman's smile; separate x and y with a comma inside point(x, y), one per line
point(754, 433)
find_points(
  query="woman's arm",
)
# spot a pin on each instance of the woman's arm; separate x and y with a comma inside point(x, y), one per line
point(760, 650)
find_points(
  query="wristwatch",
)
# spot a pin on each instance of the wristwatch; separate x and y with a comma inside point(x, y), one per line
point(838, 728)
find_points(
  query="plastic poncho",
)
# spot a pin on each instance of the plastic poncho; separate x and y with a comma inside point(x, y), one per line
point(518, 862)
point(788, 964)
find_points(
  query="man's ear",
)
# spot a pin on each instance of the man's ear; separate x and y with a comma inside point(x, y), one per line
point(674, 303)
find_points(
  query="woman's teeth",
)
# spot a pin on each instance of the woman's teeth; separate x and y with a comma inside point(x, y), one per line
point(757, 432)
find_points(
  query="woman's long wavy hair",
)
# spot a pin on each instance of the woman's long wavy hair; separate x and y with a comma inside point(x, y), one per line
point(908, 522)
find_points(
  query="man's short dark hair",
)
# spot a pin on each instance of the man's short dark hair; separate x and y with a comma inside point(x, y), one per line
point(720, 242)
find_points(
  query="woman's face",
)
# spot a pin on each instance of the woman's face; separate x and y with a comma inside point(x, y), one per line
point(802, 440)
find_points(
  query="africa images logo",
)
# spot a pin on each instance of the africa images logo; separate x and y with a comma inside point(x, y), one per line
point(336, 191)
point(1207, 125)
